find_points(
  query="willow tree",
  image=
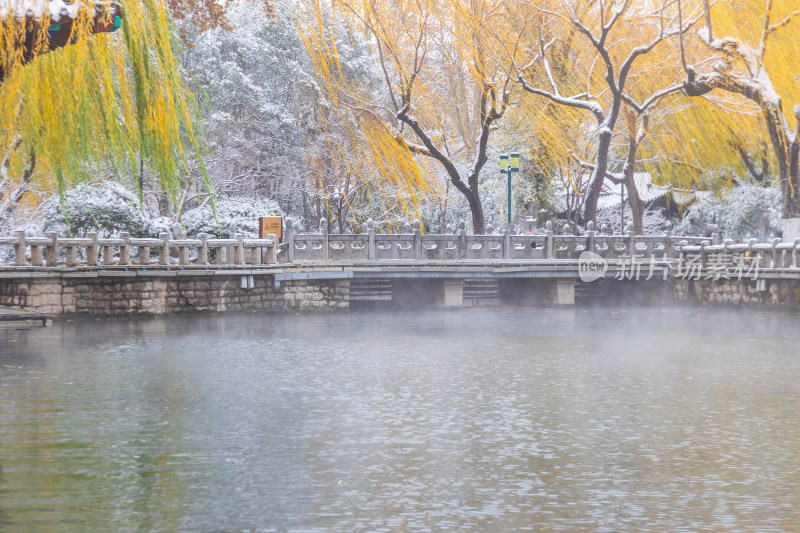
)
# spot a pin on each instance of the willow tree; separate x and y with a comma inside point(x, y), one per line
point(751, 51)
point(107, 103)
point(444, 93)
point(593, 56)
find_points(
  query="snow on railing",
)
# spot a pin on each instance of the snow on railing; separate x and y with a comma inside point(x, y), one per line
point(369, 246)
point(458, 245)
point(53, 251)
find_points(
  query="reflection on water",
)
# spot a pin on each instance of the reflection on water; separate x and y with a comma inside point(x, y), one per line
point(646, 419)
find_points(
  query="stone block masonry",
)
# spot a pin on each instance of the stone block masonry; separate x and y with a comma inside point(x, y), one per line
point(781, 293)
point(155, 296)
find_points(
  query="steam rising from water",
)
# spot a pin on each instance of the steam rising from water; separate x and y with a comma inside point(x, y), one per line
point(640, 419)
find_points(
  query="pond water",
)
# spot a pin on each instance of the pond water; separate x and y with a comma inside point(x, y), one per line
point(642, 419)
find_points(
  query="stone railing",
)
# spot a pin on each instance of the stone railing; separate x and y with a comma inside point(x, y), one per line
point(52, 250)
point(460, 246)
point(369, 246)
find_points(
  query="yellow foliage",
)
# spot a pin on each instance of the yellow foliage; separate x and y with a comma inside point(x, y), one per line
point(98, 105)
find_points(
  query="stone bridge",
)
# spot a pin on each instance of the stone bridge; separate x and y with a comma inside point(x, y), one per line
point(320, 270)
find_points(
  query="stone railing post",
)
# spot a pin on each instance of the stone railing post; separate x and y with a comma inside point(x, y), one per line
point(462, 240)
point(506, 243)
point(144, 255)
point(715, 237)
point(92, 251)
point(590, 237)
point(202, 252)
point(238, 253)
point(289, 240)
point(183, 255)
point(19, 249)
point(704, 253)
point(567, 231)
point(125, 248)
point(270, 254)
point(548, 240)
point(51, 250)
point(36, 255)
point(631, 239)
point(163, 251)
point(669, 251)
point(72, 256)
point(417, 240)
point(750, 244)
point(108, 254)
point(323, 230)
point(774, 252)
point(372, 247)
point(795, 263)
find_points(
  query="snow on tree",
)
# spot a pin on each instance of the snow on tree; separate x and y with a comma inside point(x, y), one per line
point(743, 212)
point(107, 208)
point(753, 54)
point(234, 215)
point(270, 130)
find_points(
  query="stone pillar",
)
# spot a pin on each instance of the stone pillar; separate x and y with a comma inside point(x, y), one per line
point(125, 249)
point(289, 240)
point(108, 254)
point(462, 240)
point(238, 254)
point(453, 293)
point(795, 262)
point(92, 250)
point(372, 247)
point(417, 240)
point(548, 240)
point(72, 256)
point(506, 243)
point(183, 255)
point(144, 255)
point(36, 255)
point(202, 252)
point(590, 237)
point(562, 292)
point(51, 251)
point(19, 249)
point(631, 239)
point(323, 230)
point(270, 255)
point(669, 251)
point(163, 252)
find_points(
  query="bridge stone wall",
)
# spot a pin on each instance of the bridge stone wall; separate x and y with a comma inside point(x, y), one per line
point(131, 296)
point(782, 293)
point(136, 293)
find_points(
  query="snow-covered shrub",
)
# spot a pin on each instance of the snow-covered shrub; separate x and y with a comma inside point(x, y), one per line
point(156, 226)
point(234, 215)
point(653, 222)
point(106, 208)
point(745, 212)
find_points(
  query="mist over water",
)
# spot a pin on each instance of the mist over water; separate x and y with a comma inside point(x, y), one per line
point(643, 419)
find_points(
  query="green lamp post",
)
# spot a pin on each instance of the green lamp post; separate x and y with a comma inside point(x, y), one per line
point(509, 163)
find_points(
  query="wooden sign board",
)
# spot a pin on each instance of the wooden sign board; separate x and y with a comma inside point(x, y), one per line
point(270, 226)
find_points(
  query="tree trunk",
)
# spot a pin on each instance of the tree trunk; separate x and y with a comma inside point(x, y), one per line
point(791, 194)
point(598, 177)
point(637, 206)
point(13, 199)
point(476, 208)
point(635, 136)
